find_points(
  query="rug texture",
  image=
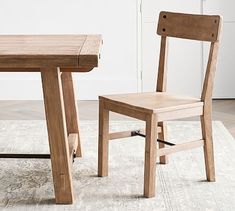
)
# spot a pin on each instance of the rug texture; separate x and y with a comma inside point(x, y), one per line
point(180, 185)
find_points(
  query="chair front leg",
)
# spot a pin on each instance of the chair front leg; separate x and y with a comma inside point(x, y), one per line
point(150, 156)
point(103, 145)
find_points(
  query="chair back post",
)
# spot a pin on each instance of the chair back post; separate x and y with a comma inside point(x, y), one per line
point(208, 83)
point(162, 67)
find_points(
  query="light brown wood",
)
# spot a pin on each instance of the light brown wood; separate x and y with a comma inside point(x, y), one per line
point(114, 107)
point(57, 133)
point(163, 136)
point(188, 26)
point(103, 145)
point(161, 87)
point(80, 69)
point(206, 126)
point(180, 147)
point(181, 113)
point(70, 105)
point(150, 156)
point(90, 50)
point(152, 102)
point(161, 106)
point(206, 120)
point(51, 55)
point(210, 73)
point(73, 144)
point(162, 67)
point(125, 134)
point(36, 51)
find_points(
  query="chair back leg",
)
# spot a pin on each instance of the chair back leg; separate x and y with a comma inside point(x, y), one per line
point(206, 125)
point(163, 136)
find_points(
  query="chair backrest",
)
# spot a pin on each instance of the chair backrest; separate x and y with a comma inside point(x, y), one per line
point(194, 27)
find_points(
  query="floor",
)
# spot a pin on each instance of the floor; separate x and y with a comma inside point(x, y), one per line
point(223, 110)
point(26, 185)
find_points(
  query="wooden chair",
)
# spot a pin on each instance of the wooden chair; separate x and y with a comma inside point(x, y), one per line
point(156, 107)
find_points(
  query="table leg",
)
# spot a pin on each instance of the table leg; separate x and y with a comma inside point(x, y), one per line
point(71, 108)
point(57, 134)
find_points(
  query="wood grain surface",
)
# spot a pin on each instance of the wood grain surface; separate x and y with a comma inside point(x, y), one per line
point(35, 51)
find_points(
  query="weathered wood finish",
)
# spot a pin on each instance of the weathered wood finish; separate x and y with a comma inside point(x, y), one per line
point(206, 126)
point(70, 105)
point(55, 56)
point(210, 73)
point(150, 156)
point(206, 119)
point(180, 147)
point(91, 47)
point(25, 69)
point(73, 145)
point(163, 136)
point(57, 134)
point(180, 113)
point(161, 87)
point(188, 26)
point(151, 102)
point(114, 107)
point(103, 145)
point(162, 67)
point(156, 107)
point(37, 51)
point(125, 134)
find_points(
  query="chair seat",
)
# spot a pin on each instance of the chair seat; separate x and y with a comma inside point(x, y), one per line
point(153, 102)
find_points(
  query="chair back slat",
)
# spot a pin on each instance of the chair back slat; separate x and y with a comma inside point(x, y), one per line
point(188, 26)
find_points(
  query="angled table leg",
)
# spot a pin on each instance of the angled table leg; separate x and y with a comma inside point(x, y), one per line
point(58, 141)
point(70, 105)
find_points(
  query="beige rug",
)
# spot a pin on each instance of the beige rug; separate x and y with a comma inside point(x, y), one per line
point(27, 184)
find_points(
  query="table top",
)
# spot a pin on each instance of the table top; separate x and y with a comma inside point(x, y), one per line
point(38, 51)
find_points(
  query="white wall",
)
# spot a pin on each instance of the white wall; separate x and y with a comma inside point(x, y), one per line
point(120, 23)
point(187, 59)
point(115, 20)
point(225, 74)
point(184, 72)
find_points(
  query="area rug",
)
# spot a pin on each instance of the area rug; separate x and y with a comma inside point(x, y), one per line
point(180, 185)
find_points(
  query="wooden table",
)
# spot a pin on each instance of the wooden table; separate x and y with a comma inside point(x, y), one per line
point(56, 57)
